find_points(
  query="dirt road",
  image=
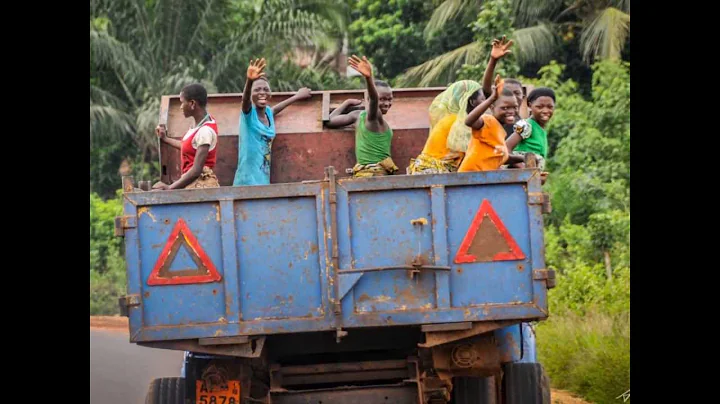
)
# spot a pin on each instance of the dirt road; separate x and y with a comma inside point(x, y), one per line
point(120, 371)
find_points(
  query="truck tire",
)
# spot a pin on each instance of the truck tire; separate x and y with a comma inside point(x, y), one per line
point(472, 390)
point(525, 383)
point(166, 390)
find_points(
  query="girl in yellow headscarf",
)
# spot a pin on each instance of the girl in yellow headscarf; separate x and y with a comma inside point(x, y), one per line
point(449, 136)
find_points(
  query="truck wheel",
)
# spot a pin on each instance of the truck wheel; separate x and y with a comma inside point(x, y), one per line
point(472, 390)
point(525, 383)
point(166, 390)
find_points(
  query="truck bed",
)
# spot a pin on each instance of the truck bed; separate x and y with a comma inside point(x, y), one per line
point(334, 253)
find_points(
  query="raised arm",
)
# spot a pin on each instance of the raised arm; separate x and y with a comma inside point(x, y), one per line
point(161, 132)
point(500, 48)
point(363, 67)
point(254, 72)
point(474, 118)
point(302, 94)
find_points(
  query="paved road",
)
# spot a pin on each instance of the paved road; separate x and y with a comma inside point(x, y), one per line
point(120, 371)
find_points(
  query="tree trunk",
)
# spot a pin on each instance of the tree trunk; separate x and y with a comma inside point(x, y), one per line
point(608, 266)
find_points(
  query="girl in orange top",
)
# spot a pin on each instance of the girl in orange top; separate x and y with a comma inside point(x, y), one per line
point(487, 150)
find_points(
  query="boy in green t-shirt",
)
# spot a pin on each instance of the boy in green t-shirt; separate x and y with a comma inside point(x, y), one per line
point(373, 134)
point(530, 135)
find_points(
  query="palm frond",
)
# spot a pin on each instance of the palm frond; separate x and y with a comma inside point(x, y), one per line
point(622, 5)
point(605, 36)
point(534, 44)
point(530, 11)
point(441, 69)
point(448, 10)
point(108, 121)
point(107, 51)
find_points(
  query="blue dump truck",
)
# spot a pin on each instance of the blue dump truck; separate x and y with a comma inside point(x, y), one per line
point(321, 288)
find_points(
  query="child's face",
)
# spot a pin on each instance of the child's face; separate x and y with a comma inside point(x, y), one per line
point(542, 109)
point(505, 109)
point(261, 93)
point(385, 99)
point(517, 92)
point(186, 106)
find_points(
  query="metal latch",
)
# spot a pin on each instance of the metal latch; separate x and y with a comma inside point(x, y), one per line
point(547, 275)
point(540, 198)
point(124, 222)
point(126, 302)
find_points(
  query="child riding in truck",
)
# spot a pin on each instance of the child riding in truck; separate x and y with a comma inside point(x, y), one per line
point(486, 149)
point(373, 134)
point(198, 146)
point(500, 48)
point(530, 136)
point(257, 126)
point(447, 113)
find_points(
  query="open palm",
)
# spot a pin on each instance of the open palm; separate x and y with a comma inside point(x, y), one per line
point(500, 48)
point(361, 65)
point(255, 70)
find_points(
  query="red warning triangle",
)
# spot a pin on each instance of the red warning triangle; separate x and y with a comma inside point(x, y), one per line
point(494, 242)
point(205, 272)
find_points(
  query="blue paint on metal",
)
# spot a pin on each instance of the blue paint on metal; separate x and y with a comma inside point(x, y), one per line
point(134, 278)
point(509, 340)
point(529, 352)
point(347, 281)
point(497, 281)
point(229, 248)
point(181, 304)
point(517, 343)
point(438, 221)
point(272, 245)
point(279, 260)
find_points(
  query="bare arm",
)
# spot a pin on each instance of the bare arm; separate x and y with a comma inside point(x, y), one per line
point(500, 48)
point(340, 120)
point(474, 118)
point(363, 67)
point(254, 72)
point(161, 132)
point(488, 76)
point(302, 94)
point(513, 141)
point(195, 170)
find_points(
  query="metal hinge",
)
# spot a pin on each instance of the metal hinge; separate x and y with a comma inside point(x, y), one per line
point(126, 302)
point(547, 275)
point(540, 198)
point(124, 222)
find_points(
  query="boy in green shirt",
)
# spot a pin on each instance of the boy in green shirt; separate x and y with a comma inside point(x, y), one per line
point(530, 135)
point(373, 134)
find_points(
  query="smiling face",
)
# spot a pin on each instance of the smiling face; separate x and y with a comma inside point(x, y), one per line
point(505, 109)
point(385, 99)
point(542, 109)
point(261, 93)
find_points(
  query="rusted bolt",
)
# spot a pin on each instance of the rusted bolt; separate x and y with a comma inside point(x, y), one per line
point(167, 221)
point(520, 267)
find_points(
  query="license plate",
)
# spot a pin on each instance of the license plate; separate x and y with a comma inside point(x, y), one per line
point(229, 396)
